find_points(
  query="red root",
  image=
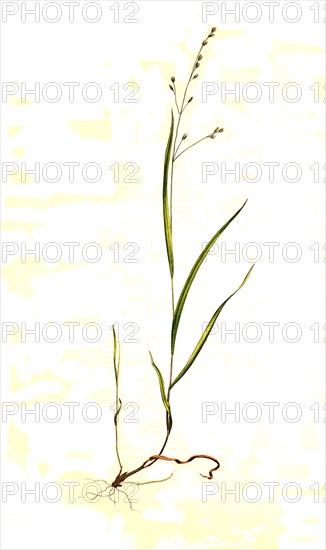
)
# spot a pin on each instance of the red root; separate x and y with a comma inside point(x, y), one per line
point(210, 474)
point(121, 477)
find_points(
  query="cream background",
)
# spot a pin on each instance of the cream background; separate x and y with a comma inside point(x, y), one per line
point(170, 515)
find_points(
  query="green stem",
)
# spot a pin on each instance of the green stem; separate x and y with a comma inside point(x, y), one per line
point(172, 295)
point(116, 363)
point(196, 143)
point(174, 157)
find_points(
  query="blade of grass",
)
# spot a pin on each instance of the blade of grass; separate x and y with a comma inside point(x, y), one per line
point(192, 275)
point(116, 356)
point(166, 213)
point(207, 331)
point(163, 394)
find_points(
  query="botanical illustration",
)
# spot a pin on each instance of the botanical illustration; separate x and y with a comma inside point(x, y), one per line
point(171, 375)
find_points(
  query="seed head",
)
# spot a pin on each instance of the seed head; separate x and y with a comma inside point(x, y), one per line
point(211, 34)
point(213, 29)
point(171, 88)
point(216, 130)
point(190, 99)
point(200, 57)
point(184, 136)
point(195, 76)
point(172, 78)
point(204, 43)
point(197, 65)
point(221, 130)
point(212, 136)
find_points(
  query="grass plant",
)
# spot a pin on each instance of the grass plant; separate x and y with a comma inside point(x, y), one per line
point(175, 147)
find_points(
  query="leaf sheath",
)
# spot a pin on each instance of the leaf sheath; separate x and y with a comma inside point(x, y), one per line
point(163, 393)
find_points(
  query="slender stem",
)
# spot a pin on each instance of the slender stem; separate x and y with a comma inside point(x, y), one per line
point(170, 205)
point(116, 363)
point(170, 381)
point(172, 166)
point(142, 467)
point(175, 149)
point(180, 111)
point(186, 149)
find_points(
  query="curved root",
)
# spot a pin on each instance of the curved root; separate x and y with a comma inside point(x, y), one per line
point(121, 478)
point(210, 474)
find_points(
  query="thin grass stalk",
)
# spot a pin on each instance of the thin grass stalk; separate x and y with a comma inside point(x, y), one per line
point(118, 402)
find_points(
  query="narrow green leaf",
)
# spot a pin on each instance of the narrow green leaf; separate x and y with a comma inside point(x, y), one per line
point(117, 413)
point(161, 382)
point(116, 355)
point(192, 275)
point(206, 332)
point(166, 214)
point(163, 394)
